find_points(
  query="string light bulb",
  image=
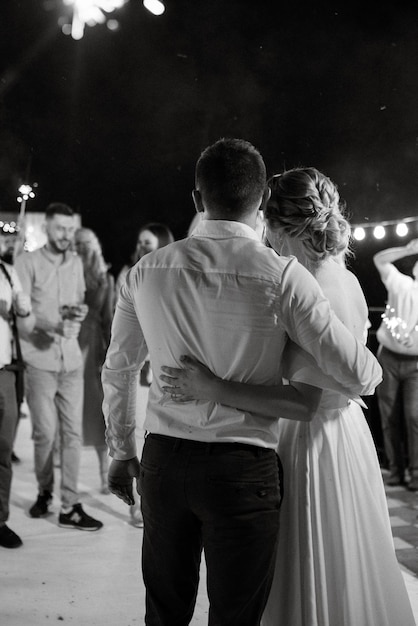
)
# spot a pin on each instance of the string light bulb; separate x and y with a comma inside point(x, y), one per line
point(401, 229)
point(379, 232)
point(359, 233)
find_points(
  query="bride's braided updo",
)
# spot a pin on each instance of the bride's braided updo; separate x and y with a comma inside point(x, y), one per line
point(305, 204)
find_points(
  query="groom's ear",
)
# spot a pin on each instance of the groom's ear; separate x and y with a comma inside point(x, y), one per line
point(265, 198)
point(197, 199)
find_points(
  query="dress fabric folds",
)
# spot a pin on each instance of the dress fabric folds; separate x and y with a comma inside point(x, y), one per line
point(93, 339)
point(336, 563)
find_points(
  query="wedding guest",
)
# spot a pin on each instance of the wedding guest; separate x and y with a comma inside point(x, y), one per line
point(53, 277)
point(398, 355)
point(151, 236)
point(93, 339)
point(8, 246)
point(13, 302)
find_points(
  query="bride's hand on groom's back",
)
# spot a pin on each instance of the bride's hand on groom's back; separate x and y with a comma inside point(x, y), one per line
point(193, 382)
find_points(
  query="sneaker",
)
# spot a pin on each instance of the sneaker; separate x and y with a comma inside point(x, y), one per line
point(8, 538)
point(77, 518)
point(40, 508)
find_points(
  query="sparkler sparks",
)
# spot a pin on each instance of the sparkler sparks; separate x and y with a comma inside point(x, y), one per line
point(90, 12)
point(397, 327)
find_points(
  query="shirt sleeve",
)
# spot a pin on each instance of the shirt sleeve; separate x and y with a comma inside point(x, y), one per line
point(120, 377)
point(81, 284)
point(312, 325)
point(396, 282)
point(23, 273)
point(17, 286)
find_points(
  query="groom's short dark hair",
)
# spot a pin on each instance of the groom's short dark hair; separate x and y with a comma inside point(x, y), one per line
point(231, 175)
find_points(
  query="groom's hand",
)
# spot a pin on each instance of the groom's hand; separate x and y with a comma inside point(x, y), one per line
point(120, 478)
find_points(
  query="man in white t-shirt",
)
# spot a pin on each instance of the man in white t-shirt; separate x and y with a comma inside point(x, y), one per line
point(398, 355)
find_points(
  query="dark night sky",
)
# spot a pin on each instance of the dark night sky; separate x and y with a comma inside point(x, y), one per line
point(114, 123)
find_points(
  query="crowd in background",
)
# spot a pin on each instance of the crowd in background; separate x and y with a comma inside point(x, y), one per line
point(101, 291)
point(64, 294)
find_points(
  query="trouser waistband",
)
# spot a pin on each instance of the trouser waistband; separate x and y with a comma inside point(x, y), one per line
point(208, 446)
point(400, 356)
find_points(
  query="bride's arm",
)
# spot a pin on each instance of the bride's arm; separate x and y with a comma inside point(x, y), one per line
point(297, 401)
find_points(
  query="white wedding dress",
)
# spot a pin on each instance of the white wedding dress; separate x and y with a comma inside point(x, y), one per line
point(336, 563)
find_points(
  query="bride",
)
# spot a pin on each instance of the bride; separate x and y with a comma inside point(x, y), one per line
point(336, 563)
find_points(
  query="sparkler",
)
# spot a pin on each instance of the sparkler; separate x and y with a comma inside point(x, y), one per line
point(90, 12)
point(26, 193)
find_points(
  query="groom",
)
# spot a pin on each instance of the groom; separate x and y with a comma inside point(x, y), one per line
point(208, 476)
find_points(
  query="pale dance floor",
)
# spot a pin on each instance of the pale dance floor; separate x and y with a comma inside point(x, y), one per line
point(81, 578)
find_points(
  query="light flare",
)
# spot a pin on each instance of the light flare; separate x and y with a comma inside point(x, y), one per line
point(154, 6)
point(379, 232)
point(402, 229)
point(90, 13)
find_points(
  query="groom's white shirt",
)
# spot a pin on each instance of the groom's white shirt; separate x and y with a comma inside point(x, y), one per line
point(224, 298)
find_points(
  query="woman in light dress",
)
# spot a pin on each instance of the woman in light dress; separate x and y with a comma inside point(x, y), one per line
point(336, 563)
point(151, 236)
point(94, 338)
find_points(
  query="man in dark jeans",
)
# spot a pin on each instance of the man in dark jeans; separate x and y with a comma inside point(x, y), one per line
point(208, 476)
point(398, 355)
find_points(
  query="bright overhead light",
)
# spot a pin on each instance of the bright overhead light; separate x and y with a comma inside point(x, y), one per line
point(379, 232)
point(401, 229)
point(154, 6)
point(359, 233)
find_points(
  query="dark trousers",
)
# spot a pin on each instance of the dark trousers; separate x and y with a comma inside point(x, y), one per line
point(398, 398)
point(223, 498)
point(8, 421)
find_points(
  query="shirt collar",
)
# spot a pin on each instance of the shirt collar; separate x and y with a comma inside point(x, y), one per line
point(53, 257)
point(223, 229)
